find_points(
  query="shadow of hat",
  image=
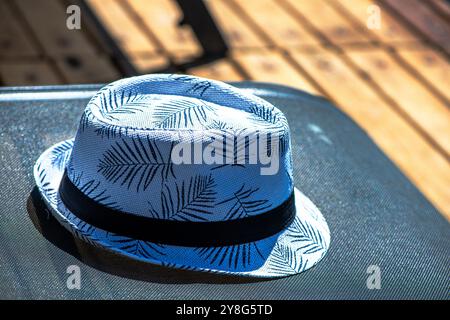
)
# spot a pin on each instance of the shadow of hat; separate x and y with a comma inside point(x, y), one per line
point(110, 262)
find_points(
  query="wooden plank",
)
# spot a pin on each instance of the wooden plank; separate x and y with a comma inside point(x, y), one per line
point(390, 32)
point(122, 28)
point(431, 65)
point(423, 18)
point(162, 18)
point(14, 41)
point(236, 32)
point(441, 6)
point(146, 64)
point(428, 169)
point(220, 70)
point(28, 73)
point(271, 66)
point(47, 18)
point(276, 23)
point(78, 68)
point(328, 22)
point(428, 112)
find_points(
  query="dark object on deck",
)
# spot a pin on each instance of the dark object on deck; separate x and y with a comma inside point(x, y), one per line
point(195, 14)
point(378, 219)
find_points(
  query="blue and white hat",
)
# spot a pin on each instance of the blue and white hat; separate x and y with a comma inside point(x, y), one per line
point(188, 173)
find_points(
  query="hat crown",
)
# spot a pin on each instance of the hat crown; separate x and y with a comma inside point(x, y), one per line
point(123, 153)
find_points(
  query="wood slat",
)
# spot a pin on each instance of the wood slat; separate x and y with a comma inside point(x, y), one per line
point(219, 70)
point(236, 32)
point(147, 64)
point(122, 27)
point(391, 31)
point(26, 73)
point(428, 169)
point(442, 7)
point(328, 22)
point(428, 112)
point(423, 18)
point(14, 41)
point(271, 66)
point(282, 29)
point(47, 19)
point(78, 68)
point(431, 65)
point(162, 18)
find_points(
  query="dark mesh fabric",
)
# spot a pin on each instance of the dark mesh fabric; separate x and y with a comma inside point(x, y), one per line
point(376, 216)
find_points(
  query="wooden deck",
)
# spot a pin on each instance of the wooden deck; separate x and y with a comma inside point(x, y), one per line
point(393, 81)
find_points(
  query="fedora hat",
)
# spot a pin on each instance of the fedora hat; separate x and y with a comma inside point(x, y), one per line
point(187, 173)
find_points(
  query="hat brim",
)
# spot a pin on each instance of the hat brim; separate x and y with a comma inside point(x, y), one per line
point(294, 250)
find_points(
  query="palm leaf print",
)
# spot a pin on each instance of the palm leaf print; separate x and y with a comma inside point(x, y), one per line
point(111, 103)
point(92, 189)
point(219, 125)
point(111, 130)
point(45, 185)
point(262, 113)
point(284, 141)
point(84, 230)
point(308, 239)
point(108, 101)
point(189, 201)
point(128, 103)
point(180, 114)
point(199, 87)
point(241, 151)
point(244, 205)
point(132, 104)
point(87, 233)
point(99, 95)
point(135, 164)
point(233, 257)
point(269, 115)
point(135, 247)
point(85, 118)
point(61, 154)
point(172, 265)
point(284, 260)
